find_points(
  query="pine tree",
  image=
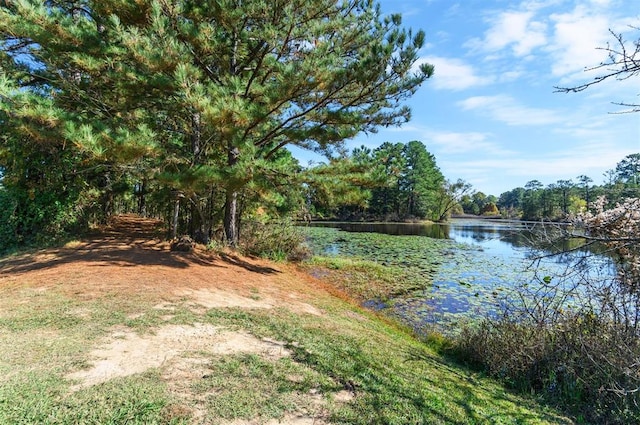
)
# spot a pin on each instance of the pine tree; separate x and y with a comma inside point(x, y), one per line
point(203, 94)
point(391, 163)
point(421, 182)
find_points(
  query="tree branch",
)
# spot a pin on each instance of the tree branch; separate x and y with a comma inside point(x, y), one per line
point(623, 63)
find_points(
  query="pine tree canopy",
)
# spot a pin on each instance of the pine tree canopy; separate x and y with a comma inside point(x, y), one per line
point(202, 92)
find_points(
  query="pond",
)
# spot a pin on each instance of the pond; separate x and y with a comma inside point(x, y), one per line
point(473, 265)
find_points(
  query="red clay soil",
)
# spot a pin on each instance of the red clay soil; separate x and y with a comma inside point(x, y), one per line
point(130, 257)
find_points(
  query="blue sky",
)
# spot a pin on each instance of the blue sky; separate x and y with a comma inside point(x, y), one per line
point(490, 115)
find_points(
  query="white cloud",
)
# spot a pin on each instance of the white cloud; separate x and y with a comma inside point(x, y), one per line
point(510, 76)
point(463, 143)
point(453, 10)
point(453, 74)
point(494, 175)
point(518, 30)
point(571, 38)
point(515, 29)
point(508, 110)
point(576, 38)
point(451, 142)
point(535, 5)
point(601, 3)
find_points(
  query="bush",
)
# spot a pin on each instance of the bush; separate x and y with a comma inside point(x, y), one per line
point(582, 361)
point(29, 217)
point(8, 205)
point(277, 240)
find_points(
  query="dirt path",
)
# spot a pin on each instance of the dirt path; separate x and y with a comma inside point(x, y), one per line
point(129, 258)
point(97, 266)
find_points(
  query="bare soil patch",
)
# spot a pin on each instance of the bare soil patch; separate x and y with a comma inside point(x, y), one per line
point(130, 258)
point(126, 353)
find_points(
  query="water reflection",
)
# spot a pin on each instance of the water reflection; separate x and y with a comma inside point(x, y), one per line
point(436, 231)
point(472, 281)
point(498, 237)
point(501, 237)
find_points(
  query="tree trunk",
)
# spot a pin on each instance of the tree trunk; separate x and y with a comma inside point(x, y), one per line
point(142, 207)
point(230, 221)
point(231, 217)
point(174, 222)
point(586, 195)
point(231, 202)
point(201, 234)
point(196, 138)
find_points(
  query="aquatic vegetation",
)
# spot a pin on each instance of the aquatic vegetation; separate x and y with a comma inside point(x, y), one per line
point(413, 260)
point(429, 282)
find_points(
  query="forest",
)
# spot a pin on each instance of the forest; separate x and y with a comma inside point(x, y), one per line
point(567, 197)
point(183, 110)
point(403, 182)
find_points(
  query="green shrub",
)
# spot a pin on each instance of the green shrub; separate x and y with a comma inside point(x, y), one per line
point(29, 217)
point(278, 240)
point(579, 362)
point(8, 229)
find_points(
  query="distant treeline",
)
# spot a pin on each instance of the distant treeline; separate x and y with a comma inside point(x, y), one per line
point(399, 181)
point(557, 200)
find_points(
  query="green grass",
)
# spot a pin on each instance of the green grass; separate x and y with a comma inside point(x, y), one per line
point(365, 279)
point(248, 387)
point(42, 398)
point(395, 379)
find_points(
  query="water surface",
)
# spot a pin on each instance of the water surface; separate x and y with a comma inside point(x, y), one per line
point(474, 268)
